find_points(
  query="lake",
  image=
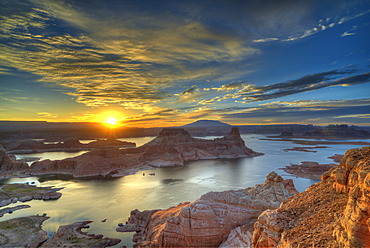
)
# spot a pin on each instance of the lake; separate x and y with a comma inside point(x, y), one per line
point(114, 199)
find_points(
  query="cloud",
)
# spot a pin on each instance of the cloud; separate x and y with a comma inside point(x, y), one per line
point(347, 33)
point(265, 40)
point(307, 83)
point(46, 115)
point(122, 59)
point(306, 111)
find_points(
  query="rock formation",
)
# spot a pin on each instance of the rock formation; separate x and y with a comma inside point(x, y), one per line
point(308, 169)
point(11, 193)
point(208, 221)
point(27, 232)
point(8, 164)
point(331, 213)
point(173, 147)
point(72, 236)
point(22, 232)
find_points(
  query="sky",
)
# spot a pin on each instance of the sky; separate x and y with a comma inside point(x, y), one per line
point(155, 63)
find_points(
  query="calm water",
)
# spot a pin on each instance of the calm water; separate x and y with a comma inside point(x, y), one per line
point(114, 199)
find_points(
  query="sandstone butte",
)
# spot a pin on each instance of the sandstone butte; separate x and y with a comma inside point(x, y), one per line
point(208, 221)
point(172, 147)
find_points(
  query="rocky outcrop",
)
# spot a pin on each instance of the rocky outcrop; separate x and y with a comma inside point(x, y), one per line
point(72, 236)
point(23, 232)
point(8, 164)
point(331, 213)
point(308, 169)
point(11, 193)
point(173, 147)
point(208, 221)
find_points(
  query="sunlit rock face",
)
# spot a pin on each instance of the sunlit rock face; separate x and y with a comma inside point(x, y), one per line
point(172, 147)
point(331, 213)
point(210, 220)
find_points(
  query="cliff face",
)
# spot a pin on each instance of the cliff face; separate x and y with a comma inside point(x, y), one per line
point(173, 147)
point(7, 164)
point(208, 221)
point(331, 213)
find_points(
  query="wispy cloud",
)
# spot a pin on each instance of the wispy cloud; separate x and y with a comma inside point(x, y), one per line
point(347, 34)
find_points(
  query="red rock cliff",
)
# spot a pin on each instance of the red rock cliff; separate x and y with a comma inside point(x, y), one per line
point(331, 213)
point(208, 221)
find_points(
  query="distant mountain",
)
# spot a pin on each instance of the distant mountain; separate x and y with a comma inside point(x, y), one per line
point(206, 123)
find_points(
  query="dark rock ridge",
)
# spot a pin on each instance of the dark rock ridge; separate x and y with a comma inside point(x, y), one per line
point(210, 220)
point(331, 213)
point(308, 169)
point(68, 145)
point(172, 147)
point(331, 131)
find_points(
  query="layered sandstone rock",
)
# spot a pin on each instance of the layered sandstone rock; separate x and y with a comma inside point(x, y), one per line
point(8, 164)
point(331, 213)
point(208, 221)
point(173, 147)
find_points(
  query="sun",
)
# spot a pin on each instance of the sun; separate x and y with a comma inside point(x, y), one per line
point(111, 121)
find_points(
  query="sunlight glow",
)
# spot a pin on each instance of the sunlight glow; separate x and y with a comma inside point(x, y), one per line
point(112, 121)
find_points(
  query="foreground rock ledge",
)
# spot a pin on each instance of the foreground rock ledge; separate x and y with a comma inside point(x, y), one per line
point(27, 232)
point(208, 221)
point(172, 147)
point(331, 213)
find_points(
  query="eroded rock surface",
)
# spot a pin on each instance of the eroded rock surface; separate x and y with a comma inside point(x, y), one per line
point(72, 236)
point(22, 232)
point(208, 221)
point(331, 213)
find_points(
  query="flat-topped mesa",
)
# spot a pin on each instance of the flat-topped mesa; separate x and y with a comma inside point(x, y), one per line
point(332, 213)
point(169, 136)
point(208, 221)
